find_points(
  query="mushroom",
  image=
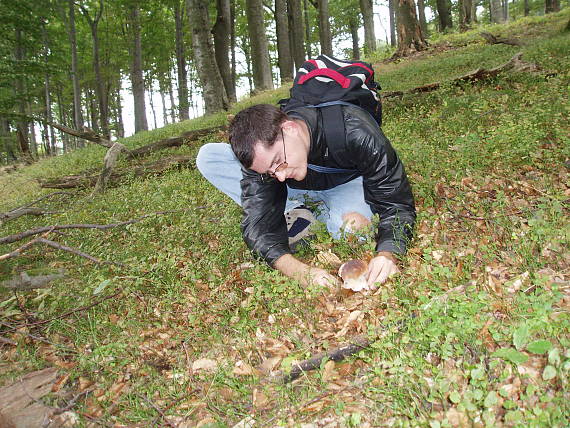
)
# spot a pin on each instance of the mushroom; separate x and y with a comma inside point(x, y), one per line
point(353, 274)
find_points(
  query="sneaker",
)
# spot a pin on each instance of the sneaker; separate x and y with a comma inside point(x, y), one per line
point(299, 221)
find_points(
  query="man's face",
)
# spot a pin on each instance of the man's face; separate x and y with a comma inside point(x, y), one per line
point(285, 159)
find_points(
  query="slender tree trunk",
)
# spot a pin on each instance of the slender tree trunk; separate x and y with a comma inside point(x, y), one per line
point(464, 14)
point(33, 140)
point(368, 18)
point(151, 103)
point(297, 31)
point(262, 76)
point(137, 79)
point(119, 101)
point(172, 103)
point(181, 61)
point(63, 119)
point(551, 6)
point(77, 113)
point(284, 55)
point(526, 8)
point(422, 17)
point(444, 14)
point(246, 53)
point(214, 93)
point(50, 143)
point(221, 32)
point(474, 4)
point(392, 6)
point(354, 35)
point(164, 109)
point(410, 38)
point(505, 4)
point(233, 41)
point(306, 16)
point(22, 124)
point(93, 110)
point(325, 36)
point(7, 140)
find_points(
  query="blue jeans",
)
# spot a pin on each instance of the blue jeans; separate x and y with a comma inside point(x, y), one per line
point(218, 164)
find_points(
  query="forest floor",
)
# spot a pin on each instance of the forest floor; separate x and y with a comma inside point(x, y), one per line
point(187, 330)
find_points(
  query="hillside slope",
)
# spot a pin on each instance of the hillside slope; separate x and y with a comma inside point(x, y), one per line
point(184, 327)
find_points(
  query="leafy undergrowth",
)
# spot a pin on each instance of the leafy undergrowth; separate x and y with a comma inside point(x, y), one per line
point(188, 329)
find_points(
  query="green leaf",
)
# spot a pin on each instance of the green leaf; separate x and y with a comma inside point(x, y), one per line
point(511, 355)
point(554, 357)
point(491, 399)
point(454, 397)
point(539, 346)
point(101, 287)
point(549, 373)
point(520, 337)
point(478, 373)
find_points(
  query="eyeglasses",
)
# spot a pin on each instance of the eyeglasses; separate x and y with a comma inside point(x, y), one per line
point(283, 165)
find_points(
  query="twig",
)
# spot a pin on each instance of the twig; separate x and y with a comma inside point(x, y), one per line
point(31, 336)
point(158, 409)
point(65, 315)
point(19, 236)
point(49, 195)
point(50, 243)
point(72, 402)
point(8, 341)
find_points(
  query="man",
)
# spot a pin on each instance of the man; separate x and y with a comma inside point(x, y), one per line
point(277, 159)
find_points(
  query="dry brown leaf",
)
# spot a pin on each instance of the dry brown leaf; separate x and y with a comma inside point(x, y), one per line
point(329, 258)
point(206, 421)
point(270, 364)
point(59, 382)
point(204, 364)
point(260, 400)
point(329, 372)
point(243, 369)
point(84, 383)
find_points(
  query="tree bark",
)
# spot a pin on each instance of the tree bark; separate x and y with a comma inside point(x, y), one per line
point(182, 74)
point(410, 37)
point(368, 18)
point(77, 113)
point(221, 32)
point(119, 120)
point(308, 49)
point(325, 36)
point(422, 17)
point(233, 40)
point(49, 137)
point(99, 80)
point(526, 8)
point(7, 139)
point(214, 93)
point(465, 8)
point(22, 125)
point(444, 14)
point(285, 58)
point(497, 16)
point(551, 6)
point(262, 76)
point(151, 103)
point(297, 32)
point(392, 6)
point(354, 35)
point(137, 79)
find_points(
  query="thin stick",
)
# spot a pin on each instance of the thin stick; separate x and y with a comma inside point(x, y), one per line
point(158, 409)
point(19, 236)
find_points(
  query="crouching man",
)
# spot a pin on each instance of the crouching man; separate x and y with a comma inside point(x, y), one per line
point(276, 160)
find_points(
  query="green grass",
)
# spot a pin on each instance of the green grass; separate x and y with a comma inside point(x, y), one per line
point(474, 331)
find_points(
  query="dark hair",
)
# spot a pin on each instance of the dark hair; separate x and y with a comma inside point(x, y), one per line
point(257, 124)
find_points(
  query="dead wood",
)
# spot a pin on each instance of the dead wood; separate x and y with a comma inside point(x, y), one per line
point(20, 405)
point(22, 235)
point(11, 215)
point(514, 64)
point(86, 134)
point(117, 175)
point(109, 162)
point(25, 282)
point(495, 40)
point(175, 141)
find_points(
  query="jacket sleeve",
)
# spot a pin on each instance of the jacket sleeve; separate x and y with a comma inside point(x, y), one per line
point(263, 227)
point(386, 188)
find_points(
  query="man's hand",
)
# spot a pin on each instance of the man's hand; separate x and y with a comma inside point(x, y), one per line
point(380, 268)
point(305, 274)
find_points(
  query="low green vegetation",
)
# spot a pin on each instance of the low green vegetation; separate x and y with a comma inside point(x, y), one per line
point(473, 332)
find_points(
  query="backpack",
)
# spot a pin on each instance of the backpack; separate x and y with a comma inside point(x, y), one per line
point(328, 83)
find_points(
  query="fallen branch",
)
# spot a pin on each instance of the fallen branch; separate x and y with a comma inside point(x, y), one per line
point(86, 134)
point(109, 162)
point(24, 282)
point(14, 214)
point(515, 63)
point(495, 40)
point(50, 243)
point(22, 235)
point(117, 175)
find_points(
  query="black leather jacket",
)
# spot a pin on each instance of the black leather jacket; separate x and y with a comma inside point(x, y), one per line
point(386, 187)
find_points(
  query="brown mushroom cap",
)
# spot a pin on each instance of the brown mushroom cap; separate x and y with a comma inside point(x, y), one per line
point(352, 269)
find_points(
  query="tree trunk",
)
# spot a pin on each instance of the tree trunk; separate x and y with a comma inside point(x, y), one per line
point(99, 80)
point(22, 125)
point(77, 113)
point(285, 58)
point(422, 17)
point(474, 4)
point(221, 32)
point(392, 6)
point(164, 109)
point(63, 119)
point(183, 113)
point(444, 14)
point(262, 76)
point(297, 32)
point(233, 41)
point(410, 37)
point(551, 6)
point(119, 119)
point(308, 50)
point(497, 16)
point(214, 93)
point(325, 36)
point(368, 18)
point(526, 8)
point(354, 35)
point(505, 4)
point(50, 142)
point(465, 8)
point(172, 103)
point(137, 79)
point(7, 139)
